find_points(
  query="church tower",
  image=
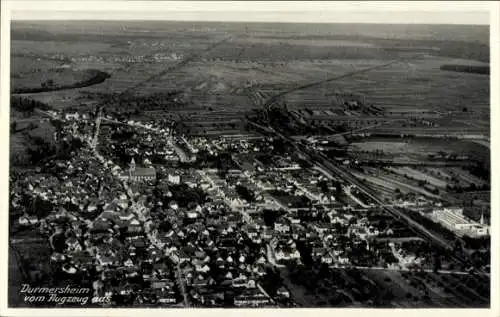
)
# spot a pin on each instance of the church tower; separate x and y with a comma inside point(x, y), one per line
point(131, 168)
point(482, 219)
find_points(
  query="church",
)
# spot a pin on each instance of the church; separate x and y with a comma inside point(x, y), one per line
point(138, 173)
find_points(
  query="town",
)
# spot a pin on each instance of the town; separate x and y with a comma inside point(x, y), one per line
point(146, 216)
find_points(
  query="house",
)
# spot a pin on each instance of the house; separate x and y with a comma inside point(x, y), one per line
point(199, 281)
point(337, 219)
point(213, 299)
point(326, 258)
point(360, 232)
point(281, 226)
point(167, 297)
point(163, 284)
point(81, 259)
point(252, 232)
point(251, 298)
point(134, 226)
point(105, 260)
point(174, 179)
point(122, 203)
point(240, 281)
point(283, 292)
point(192, 214)
point(261, 260)
point(139, 243)
point(202, 255)
point(69, 269)
point(100, 226)
point(58, 257)
point(344, 260)
point(126, 216)
point(234, 219)
point(318, 252)
point(287, 253)
point(72, 116)
point(266, 234)
point(186, 268)
point(112, 206)
point(27, 220)
point(73, 244)
point(128, 263)
point(154, 254)
point(202, 269)
point(322, 228)
point(259, 270)
point(109, 216)
point(312, 235)
point(160, 268)
point(181, 256)
point(220, 263)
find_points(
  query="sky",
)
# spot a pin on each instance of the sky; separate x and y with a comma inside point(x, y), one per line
point(421, 12)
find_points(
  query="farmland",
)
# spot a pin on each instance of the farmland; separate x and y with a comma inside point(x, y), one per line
point(421, 148)
point(229, 77)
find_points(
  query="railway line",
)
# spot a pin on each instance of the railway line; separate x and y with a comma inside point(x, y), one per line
point(324, 163)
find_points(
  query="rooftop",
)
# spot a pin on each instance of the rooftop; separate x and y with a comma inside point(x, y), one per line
point(144, 171)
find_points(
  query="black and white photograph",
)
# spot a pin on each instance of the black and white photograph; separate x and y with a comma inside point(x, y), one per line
point(178, 154)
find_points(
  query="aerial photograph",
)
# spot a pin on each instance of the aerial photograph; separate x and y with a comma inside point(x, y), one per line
point(203, 164)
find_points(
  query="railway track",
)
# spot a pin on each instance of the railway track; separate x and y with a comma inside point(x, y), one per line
point(322, 161)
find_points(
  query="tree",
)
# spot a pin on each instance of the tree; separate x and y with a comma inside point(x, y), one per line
point(270, 217)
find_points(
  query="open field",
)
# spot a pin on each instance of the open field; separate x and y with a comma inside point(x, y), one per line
point(417, 175)
point(258, 61)
point(454, 176)
point(421, 148)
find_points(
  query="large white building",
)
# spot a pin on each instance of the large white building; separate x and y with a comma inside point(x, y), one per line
point(453, 219)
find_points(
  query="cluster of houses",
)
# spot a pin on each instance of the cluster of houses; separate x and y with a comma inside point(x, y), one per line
point(215, 254)
point(80, 186)
point(212, 252)
point(327, 218)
